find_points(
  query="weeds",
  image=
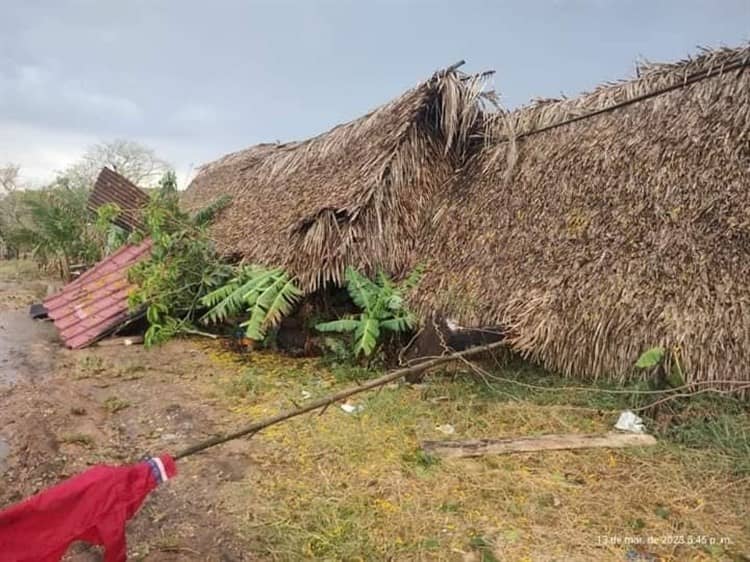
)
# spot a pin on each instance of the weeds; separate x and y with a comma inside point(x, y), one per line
point(484, 547)
point(78, 439)
point(114, 404)
point(248, 384)
point(346, 487)
point(89, 366)
point(19, 270)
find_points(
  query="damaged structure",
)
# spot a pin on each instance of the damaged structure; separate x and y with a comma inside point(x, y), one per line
point(96, 303)
point(597, 227)
point(583, 230)
point(358, 195)
point(113, 188)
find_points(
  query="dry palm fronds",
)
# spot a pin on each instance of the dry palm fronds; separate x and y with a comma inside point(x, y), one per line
point(356, 195)
point(614, 233)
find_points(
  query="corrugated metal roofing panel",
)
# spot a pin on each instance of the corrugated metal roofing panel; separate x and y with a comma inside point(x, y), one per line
point(111, 187)
point(87, 308)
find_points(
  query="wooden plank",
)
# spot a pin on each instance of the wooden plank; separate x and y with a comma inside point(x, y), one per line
point(480, 447)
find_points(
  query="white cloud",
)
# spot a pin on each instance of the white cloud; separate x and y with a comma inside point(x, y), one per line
point(40, 152)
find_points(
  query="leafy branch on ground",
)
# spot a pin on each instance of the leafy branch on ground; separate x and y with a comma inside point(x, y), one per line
point(185, 275)
point(184, 266)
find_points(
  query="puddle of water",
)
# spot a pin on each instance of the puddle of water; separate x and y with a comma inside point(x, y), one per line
point(27, 347)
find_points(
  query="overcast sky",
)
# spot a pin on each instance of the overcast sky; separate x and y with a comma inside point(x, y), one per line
point(196, 79)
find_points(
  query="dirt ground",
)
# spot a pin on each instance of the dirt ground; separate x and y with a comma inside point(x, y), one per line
point(340, 486)
point(62, 411)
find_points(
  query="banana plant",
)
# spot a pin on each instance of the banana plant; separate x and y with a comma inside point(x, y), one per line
point(265, 295)
point(383, 310)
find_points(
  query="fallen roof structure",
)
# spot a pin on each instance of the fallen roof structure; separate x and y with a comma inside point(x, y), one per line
point(111, 187)
point(356, 195)
point(90, 307)
point(597, 227)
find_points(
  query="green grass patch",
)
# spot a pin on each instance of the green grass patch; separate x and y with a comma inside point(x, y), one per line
point(115, 404)
point(342, 486)
point(78, 439)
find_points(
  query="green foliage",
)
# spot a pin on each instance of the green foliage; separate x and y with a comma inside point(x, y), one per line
point(670, 371)
point(650, 358)
point(383, 310)
point(721, 429)
point(206, 215)
point(53, 225)
point(184, 266)
point(266, 295)
point(484, 548)
point(112, 236)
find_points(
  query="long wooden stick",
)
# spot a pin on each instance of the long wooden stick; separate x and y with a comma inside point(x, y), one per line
point(333, 398)
point(480, 447)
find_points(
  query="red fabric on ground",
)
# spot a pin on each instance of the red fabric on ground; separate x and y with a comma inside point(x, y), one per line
point(93, 507)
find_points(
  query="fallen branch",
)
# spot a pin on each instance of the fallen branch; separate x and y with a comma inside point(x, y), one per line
point(480, 447)
point(255, 427)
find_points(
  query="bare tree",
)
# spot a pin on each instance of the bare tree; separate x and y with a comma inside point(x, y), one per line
point(10, 191)
point(9, 178)
point(135, 161)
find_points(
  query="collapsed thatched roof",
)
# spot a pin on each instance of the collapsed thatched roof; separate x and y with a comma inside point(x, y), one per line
point(355, 195)
point(596, 239)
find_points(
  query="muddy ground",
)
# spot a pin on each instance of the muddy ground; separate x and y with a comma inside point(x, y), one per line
point(62, 411)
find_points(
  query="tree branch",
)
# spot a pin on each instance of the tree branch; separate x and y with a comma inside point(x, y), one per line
point(333, 398)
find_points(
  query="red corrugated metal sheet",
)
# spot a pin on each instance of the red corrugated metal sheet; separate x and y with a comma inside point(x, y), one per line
point(97, 301)
point(111, 187)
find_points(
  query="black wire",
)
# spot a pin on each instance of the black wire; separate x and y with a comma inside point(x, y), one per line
point(686, 82)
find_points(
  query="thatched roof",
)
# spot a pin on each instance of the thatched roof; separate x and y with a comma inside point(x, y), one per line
point(598, 238)
point(355, 195)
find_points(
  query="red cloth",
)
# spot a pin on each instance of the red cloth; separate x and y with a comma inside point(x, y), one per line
point(92, 507)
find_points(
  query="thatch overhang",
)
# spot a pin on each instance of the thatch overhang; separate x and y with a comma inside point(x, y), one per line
point(596, 227)
point(356, 195)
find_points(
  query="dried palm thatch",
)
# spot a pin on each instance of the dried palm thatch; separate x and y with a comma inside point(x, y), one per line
point(355, 195)
point(592, 238)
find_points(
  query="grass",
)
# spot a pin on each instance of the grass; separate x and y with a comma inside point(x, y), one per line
point(344, 486)
point(115, 404)
point(78, 439)
point(19, 270)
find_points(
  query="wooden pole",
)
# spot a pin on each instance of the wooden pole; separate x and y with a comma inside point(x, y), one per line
point(325, 401)
point(480, 447)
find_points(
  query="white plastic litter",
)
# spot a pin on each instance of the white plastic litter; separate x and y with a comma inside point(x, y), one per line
point(628, 421)
point(352, 408)
point(452, 325)
point(305, 394)
point(446, 428)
